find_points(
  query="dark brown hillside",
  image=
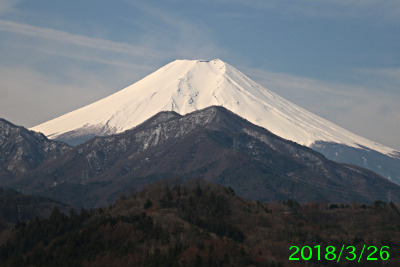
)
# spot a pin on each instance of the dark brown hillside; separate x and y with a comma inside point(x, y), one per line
point(212, 143)
point(15, 206)
point(196, 223)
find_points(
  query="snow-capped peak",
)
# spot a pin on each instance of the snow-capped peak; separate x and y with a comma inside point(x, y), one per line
point(184, 86)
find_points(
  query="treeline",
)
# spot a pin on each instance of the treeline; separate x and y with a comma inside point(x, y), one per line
point(15, 206)
point(194, 223)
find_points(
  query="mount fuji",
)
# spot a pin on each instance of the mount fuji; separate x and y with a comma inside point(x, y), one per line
point(185, 86)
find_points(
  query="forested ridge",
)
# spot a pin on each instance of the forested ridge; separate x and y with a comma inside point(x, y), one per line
point(195, 223)
point(15, 206)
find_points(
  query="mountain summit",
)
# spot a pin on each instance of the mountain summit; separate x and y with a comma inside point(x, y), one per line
point(185, 86)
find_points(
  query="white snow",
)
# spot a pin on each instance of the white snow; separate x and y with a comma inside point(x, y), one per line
point(188, 85)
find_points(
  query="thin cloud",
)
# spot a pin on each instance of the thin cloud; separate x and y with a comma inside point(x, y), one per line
point(388, 10)
point(382, 10)
point(283, 80)
point(84, 41)
point(387, 77)
point(182, 37)
point(7, 6)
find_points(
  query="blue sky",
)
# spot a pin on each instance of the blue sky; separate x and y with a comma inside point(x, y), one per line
point(339, 59)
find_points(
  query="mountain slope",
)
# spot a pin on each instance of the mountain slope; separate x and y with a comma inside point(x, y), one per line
point(184, 86)
point(213, 143)
point(22, 150)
